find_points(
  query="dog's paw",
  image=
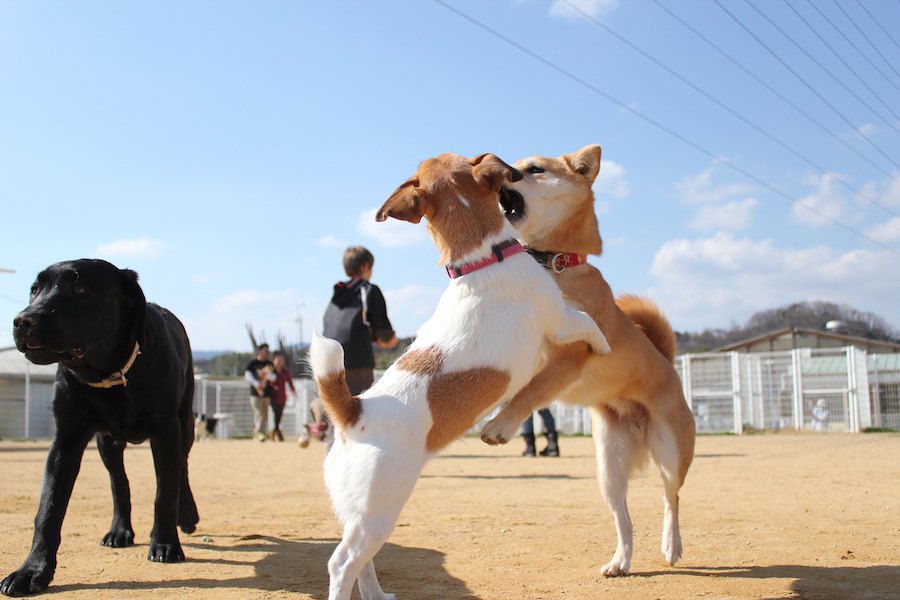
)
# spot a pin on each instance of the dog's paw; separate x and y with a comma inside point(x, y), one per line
point(118, 537)
point(671, 548)
point(599, 344)
point(166, 553)
point(25, 581)
point(617, 567)
point(498, 431)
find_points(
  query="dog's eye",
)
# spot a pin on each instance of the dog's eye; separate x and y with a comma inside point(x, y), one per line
point(534, 169)
point(78, 288)
point(34, 290)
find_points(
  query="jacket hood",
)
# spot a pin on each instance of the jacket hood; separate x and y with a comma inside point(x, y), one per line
point(346, 292)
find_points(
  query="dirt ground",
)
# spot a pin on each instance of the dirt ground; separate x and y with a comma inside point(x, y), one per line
point(770, 516)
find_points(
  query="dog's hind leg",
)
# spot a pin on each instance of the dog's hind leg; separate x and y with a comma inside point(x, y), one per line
point(112, 453)
point(620, 448)
point(369, 588)
point(673, 455)
point(188, 517)
point(352, 559)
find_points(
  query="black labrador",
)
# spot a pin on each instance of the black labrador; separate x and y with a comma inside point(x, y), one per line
point(125, 375)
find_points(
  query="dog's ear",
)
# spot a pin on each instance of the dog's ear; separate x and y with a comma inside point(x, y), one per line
point(407, 203)
point(585, 162)
point(135, 304)
point(491, 172)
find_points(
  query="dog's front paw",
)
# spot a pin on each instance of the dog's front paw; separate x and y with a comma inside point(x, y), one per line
point(599, 343)
point(118, 537)
point(498, 431)
point(166, 553)
point(27, 580)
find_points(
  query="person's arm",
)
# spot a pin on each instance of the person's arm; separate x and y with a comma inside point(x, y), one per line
point(382, 330)
point(250, 377)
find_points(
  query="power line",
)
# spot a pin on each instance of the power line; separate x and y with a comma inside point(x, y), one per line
point(810, 87)
point(849, 41)
point(844, 62)
point(656, 123)
point(865, 37)
point(778, 94)
point(724, 106)
point(877, 22)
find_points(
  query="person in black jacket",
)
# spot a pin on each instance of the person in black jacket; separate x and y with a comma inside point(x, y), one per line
point(357, 318)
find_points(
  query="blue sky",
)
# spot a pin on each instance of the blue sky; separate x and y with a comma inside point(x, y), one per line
point(229, 151)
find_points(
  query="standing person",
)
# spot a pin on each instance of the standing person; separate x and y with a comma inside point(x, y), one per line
point(282, 382)
point(259, 374)
point(357, 317)
point(552, 448)
point(820, 415)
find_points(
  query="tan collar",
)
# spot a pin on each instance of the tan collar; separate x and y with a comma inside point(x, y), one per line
point(118, 378)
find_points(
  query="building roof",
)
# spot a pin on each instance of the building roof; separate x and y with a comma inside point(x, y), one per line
point(798, 333)
point(13, 362)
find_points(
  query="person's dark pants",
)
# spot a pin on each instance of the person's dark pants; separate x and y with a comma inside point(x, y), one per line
point(278, 410)
point(359, 380)
point(546, 417)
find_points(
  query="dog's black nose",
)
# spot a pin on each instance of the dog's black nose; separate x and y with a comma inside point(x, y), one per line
point(23, 322)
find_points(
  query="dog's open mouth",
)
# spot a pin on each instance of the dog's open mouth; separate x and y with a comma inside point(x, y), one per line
point(42, 355)
point(513, 204)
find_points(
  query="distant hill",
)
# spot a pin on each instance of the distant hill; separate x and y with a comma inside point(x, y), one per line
point(208, 354)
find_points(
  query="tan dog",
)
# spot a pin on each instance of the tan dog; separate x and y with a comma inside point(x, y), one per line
point(635, 396)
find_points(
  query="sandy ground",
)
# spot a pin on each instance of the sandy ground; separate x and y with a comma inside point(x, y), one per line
point(772, 516)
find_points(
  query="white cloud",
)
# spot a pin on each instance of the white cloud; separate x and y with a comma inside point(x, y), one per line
point(700, 189)
point(611, 181)
point(714, 281)
point(594, 8)
point(222, 324)
point(730, 216)
point(391, 232)
point(827, 202)
point(139, 248)
point(410, 306)
point(329, 241)
point(886, 233)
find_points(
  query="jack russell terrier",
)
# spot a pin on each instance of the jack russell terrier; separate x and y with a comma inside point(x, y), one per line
point(481, 346)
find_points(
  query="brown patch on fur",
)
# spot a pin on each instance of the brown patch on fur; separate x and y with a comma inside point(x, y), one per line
point(427, 361)
point(649, 319)
point(344, 409)
point(457, 399)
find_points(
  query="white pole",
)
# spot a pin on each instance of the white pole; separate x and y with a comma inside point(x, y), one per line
point(27, 400)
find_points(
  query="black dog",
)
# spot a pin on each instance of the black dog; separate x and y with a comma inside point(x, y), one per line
point(125, 374)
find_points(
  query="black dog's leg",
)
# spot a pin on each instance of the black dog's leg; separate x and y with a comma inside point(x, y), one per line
point(168, 459)
point(188, 516)
point(63, 464)
point(120, 532)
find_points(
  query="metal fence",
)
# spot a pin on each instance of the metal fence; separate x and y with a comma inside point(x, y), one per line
point(728, 393)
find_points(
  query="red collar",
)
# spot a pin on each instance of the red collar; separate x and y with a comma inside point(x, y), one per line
point(501, 251)
point(558, 261)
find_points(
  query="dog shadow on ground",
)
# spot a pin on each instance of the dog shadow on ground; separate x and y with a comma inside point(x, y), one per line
point(879, 582)
point(298, 566)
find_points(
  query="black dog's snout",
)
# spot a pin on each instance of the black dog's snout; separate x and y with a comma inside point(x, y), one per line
point(23, 322)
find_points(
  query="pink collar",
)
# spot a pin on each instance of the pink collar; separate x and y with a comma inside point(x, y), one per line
point(501, 251)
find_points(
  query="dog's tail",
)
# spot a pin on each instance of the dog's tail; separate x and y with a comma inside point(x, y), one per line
point(327, 360)
point(644, 313)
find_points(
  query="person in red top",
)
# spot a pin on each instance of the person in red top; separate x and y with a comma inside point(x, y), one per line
point(282, 382)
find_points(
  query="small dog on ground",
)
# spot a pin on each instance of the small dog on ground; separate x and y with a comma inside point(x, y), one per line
point(635, 395)
point(125, 375)
point(479, 348)
point(204, 428)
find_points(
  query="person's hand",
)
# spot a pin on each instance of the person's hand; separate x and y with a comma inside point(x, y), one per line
point(388, 344)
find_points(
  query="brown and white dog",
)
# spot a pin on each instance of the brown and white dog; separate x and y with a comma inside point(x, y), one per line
point(480, 347)
point(634, 394)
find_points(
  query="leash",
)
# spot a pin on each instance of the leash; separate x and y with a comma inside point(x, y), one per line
point(558, 261)
point(118, 378)
point(501, 252)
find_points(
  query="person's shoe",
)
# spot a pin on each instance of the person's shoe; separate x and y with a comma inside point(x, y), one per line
point(552, 448)
point(303, 440)
point(529, 445)
point(278, 435)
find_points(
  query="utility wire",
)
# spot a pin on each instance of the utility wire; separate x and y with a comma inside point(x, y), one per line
point(802, 80)
point(877, 22)
point(657, 124)
point(778, 94)
point(866, 37)
point(855, 47)
point(724, 106)
point(844, 62)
